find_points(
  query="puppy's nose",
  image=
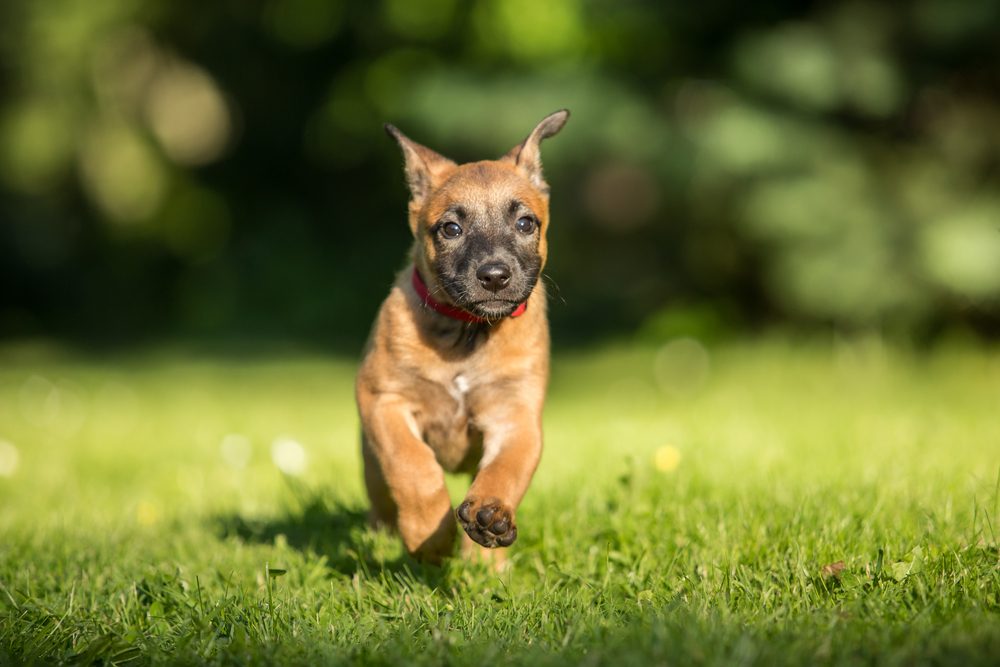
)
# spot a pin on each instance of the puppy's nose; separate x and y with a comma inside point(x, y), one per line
point(493, 276)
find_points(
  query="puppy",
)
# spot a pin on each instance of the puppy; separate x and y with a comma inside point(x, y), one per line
point(455, 370)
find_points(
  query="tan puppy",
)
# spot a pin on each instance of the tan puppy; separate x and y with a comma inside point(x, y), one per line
point(455, 370)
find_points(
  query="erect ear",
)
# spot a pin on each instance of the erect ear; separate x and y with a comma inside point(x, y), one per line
point(425, 169)
point(527, 156)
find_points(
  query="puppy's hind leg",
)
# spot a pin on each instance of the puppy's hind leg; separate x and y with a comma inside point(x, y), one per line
point(383, 512)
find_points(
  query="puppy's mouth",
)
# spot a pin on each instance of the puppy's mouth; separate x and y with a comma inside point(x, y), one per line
point(492, 308)
point(481, 303)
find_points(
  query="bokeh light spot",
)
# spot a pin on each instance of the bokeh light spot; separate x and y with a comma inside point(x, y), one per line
point(874, 86)
point(962, 251)
point(740, 138)
point(57, 407)
point(532, 31)
point(124, 64)
point(10, 458)
point(682, 367)
point(188, 114)
point(795, 61)
point(121, 174)
point(36, 144)
point(236, 450)
point(289, 456)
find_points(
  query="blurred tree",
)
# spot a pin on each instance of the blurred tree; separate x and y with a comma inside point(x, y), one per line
point(219, 169)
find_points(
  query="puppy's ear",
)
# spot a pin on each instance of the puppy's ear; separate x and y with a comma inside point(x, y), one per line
point(425, 169)
point(527, 155)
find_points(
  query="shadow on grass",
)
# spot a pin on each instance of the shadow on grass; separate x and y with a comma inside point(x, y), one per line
point(333, 530)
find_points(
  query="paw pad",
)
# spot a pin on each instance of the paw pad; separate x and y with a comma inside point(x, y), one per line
point(493, 525)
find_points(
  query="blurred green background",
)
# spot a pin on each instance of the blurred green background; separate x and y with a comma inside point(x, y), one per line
point(218, 170)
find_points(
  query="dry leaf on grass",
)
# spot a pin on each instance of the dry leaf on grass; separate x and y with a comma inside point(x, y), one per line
point(832, 569)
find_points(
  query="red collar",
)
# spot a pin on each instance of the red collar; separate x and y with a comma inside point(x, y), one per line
point(451, 311)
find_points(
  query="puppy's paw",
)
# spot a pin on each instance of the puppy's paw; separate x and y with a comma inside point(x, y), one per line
point(488, 522)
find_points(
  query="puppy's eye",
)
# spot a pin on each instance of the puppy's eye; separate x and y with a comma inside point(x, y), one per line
point(451, 230)
point(525, 225)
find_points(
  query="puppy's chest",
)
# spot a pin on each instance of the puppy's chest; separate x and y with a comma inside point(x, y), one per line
point(446, 420)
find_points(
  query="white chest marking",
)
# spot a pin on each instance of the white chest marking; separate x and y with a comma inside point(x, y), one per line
point(458, 389)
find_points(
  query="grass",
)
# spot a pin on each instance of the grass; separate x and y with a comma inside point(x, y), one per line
point(757, 503)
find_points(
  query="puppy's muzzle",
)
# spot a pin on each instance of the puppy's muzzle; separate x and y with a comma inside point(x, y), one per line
point(493, 276)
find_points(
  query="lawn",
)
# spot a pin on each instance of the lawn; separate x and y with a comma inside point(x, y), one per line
point(754, 503)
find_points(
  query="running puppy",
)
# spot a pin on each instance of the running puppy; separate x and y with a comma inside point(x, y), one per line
point(454, 372)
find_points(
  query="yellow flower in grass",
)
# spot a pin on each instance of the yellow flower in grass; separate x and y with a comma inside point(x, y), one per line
point(147, 513)
point(667, 458)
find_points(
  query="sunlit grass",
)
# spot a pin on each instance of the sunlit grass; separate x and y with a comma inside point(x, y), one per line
point(759, 503)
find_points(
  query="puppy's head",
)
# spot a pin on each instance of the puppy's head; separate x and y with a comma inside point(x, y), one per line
point(480, 227)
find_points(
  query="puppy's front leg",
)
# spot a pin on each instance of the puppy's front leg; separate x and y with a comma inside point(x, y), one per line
point(512, 446)
point(411, 474)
